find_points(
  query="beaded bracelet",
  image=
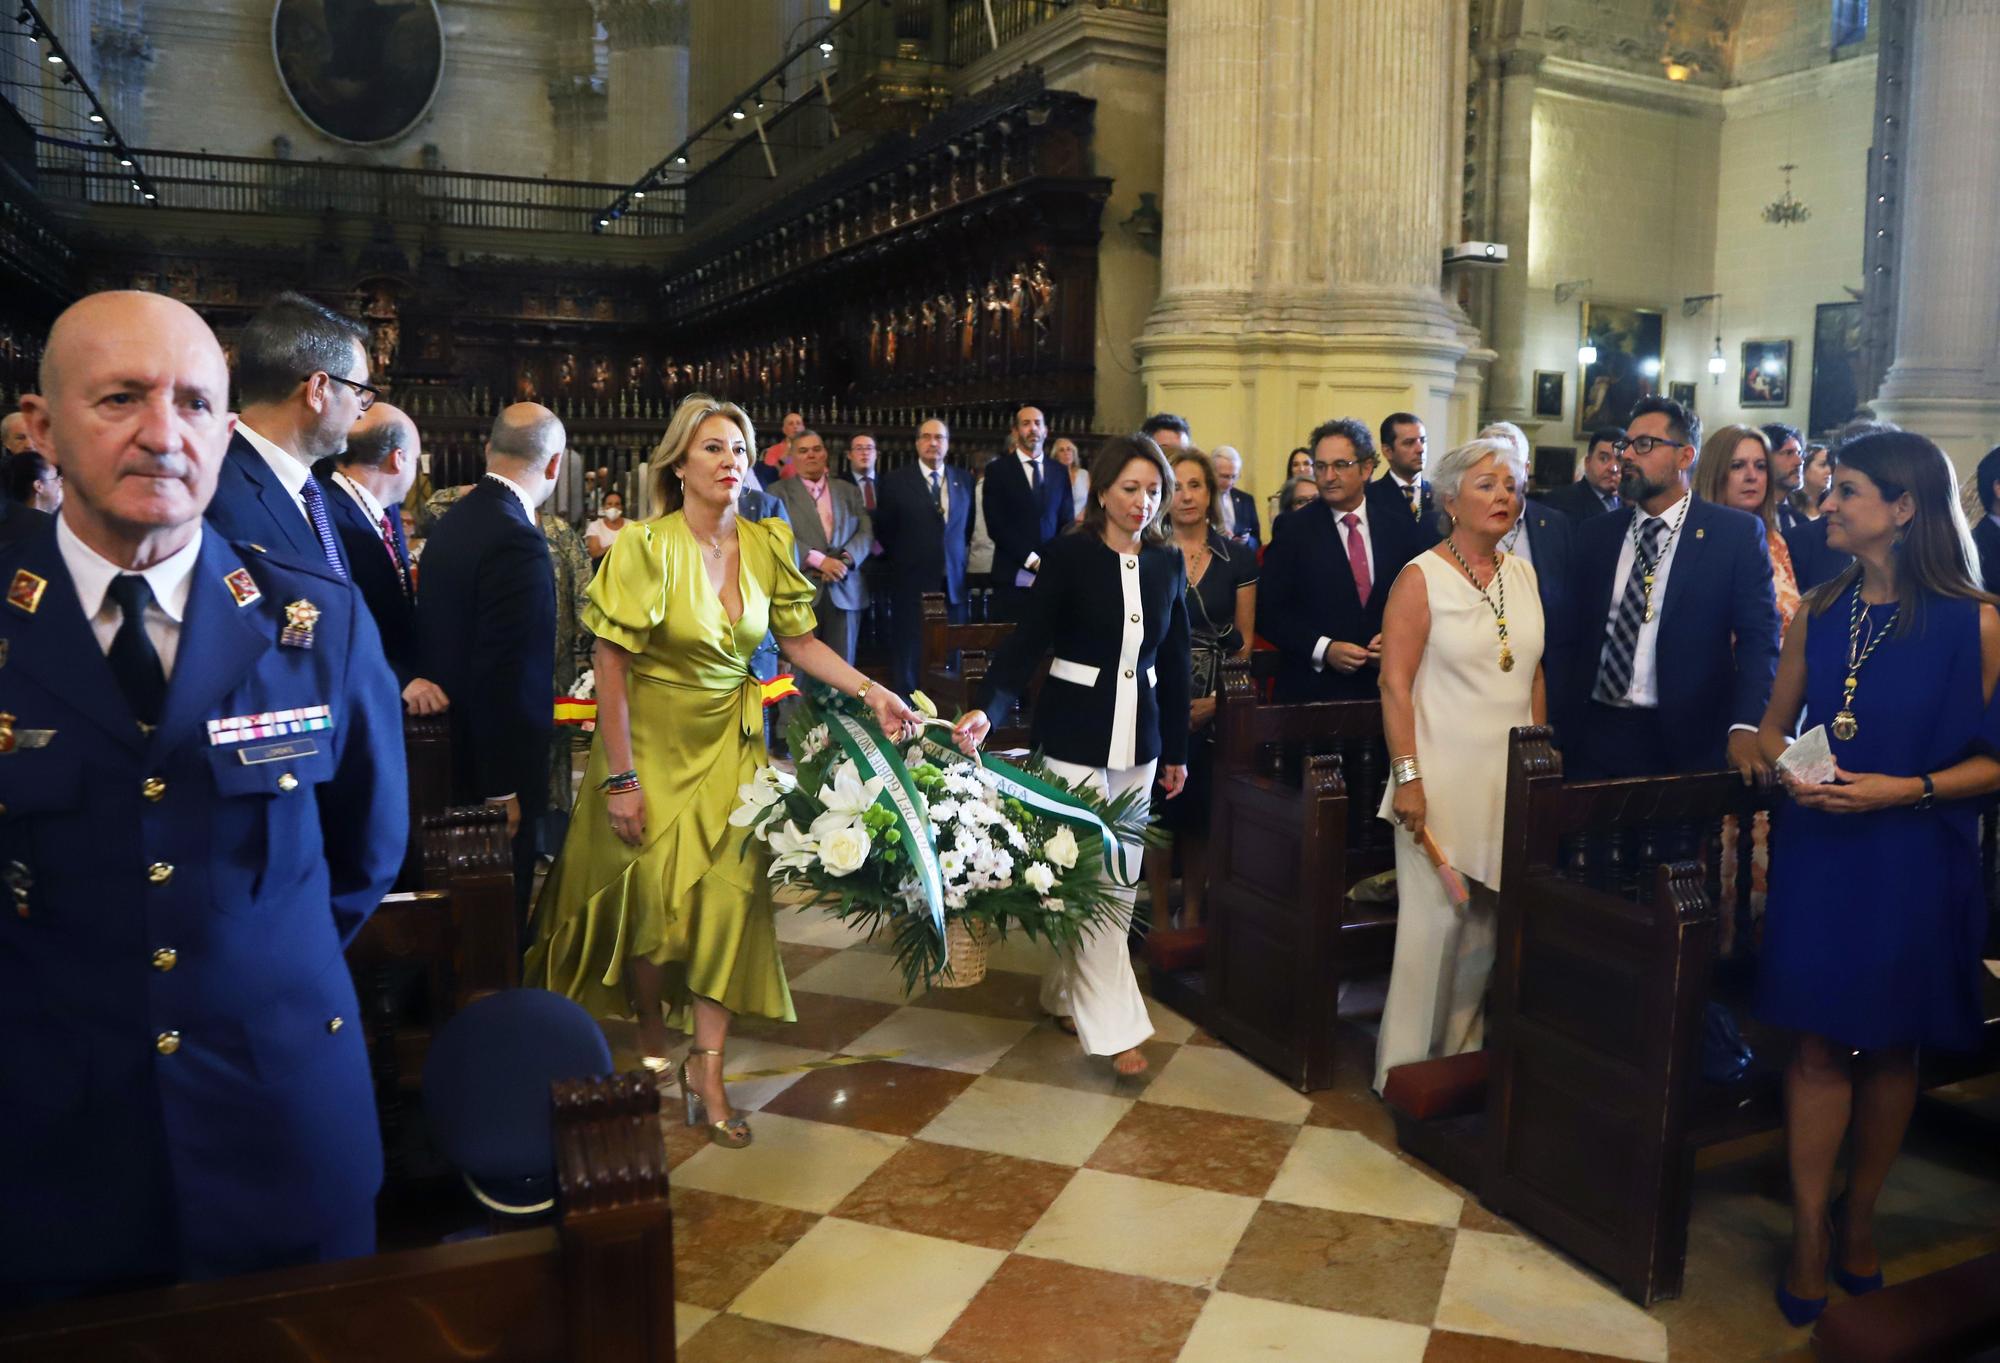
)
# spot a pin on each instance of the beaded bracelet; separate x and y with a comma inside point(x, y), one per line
point(620, 782)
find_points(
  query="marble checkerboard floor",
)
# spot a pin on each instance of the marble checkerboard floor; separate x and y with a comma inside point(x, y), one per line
point(948, 1178)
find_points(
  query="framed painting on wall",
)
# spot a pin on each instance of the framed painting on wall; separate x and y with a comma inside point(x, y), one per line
point(1767, 374)
point(1630, 345)
point(1836, 366)
point(1683, 393)
point(1549, 392)
point(361, 71)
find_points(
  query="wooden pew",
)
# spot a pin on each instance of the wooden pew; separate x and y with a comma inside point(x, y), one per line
point(1606, 960)
point(1293, 827)
point(425, 954)
point(427, 749)
point(955, 661)
point(596, 1287)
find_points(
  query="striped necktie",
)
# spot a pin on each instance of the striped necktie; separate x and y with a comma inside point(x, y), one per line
point(1621, 646)
point(316, 513)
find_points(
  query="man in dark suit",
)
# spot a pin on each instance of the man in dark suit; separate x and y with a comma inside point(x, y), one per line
point(1595, 491)
point(302, 382)
point(834, 536)
point(1675, 620)
point(873, 634)
point(1237, 507)
point(487, 622)
point(1171, 433)
point(1545, 539)
point(1402, 486)
point(1788, 456)
point(364, 489)
point(187, 1091)
point(1028, 503)
point(924, 520)
point(1986, 531)
point(1328, 572)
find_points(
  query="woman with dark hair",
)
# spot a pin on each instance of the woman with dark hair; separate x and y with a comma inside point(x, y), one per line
point(1876, 915)
point(655, 897)
point(1110, 603)
point(1222, 613)
point(33, 481)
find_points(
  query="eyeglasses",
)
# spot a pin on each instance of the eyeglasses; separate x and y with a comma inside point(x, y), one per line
point(1337, 466)
point(368, 393)
point(1646, 444)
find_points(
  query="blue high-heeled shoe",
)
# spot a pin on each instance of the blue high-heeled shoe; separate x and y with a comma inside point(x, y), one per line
point(1799, 1311)
point(1853, 1284)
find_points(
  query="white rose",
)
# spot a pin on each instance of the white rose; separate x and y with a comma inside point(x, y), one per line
point(844, 850)
point(1061, 849)
point(1040, 878)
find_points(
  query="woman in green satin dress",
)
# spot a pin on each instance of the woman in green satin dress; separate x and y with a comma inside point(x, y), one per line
point(656, 901)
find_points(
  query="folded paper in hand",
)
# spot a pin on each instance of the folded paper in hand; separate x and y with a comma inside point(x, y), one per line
point(1810, 760)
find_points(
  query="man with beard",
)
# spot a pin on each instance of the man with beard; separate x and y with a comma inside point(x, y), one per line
point(302, 381)
point(1683, 616)
point(1788, 458)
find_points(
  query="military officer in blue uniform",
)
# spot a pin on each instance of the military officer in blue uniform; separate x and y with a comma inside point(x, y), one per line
point(202, 798)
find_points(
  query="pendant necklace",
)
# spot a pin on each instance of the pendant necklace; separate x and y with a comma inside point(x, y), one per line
point(1499, 611)
point(1651, 566)
point(1845, 726)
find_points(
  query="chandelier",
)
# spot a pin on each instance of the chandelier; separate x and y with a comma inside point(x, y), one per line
point(1785, 210)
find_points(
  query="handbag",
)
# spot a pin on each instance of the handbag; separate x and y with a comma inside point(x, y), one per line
point(1725, 1056)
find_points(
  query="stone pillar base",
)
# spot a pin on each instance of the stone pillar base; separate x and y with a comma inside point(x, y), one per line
point(1966, 428)
point(1264, 391)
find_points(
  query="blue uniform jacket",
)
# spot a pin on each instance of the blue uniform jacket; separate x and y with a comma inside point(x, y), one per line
point(183, 1079)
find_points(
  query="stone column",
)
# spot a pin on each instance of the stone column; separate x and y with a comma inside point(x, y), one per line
point(1304, 213)
point(647, 85)
point(1945, 380)
point(1507, 396)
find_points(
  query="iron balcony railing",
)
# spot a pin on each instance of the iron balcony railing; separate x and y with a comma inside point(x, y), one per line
point(79, 173)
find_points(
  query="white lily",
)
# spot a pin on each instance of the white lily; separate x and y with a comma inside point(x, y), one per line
point(792, 850)
point(757, 796)
point(846, 793)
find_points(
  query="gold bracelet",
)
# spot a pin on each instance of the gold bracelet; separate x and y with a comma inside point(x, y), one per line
point(867, 685)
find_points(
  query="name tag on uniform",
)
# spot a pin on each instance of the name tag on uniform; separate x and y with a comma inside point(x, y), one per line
point(270, 724)
point(276, 752)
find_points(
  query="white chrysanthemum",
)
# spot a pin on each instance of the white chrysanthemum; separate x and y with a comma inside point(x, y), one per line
point(952, 863)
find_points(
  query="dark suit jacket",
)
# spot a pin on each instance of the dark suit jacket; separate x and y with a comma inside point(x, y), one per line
point(924, 553)
point(1306, 593)
point(1813, 560)
point(1578, 501)
point(394, 608)
point(1386, 499)
point(1018, 522)
point(1718, 625)
point(251, 505)
point(1551, 543)
point(1986, 535)
point(18, 521)
point(1076, 613)
point(1246, 515)
point(487, 621)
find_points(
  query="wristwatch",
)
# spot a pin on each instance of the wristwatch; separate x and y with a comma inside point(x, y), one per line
point(1929, 797)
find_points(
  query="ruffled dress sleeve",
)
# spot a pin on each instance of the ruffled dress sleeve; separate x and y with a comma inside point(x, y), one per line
point(628, 597)
point(791, 594)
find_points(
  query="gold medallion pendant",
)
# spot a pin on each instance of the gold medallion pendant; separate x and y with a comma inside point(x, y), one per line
point(1506, 660)
point(1844, 727)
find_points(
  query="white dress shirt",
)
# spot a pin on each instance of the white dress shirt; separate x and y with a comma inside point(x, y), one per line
point(1515, 542)
point(290, 473)
point(1360, 514)
point(520, 496)
point(1030, 463)
point(943, 497)
point(361, 497)
point(171, 579)
point(1644, 693)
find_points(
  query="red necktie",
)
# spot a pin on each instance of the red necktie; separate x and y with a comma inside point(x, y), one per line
point(868, 492)
point(1357, 556)
point(389, 543)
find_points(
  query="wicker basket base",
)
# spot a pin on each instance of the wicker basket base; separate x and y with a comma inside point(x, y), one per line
point(965, 956)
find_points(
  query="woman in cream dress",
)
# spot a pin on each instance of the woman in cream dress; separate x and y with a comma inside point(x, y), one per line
point(1461, 667)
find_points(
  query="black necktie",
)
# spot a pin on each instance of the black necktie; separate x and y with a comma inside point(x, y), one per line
point(1036, 477)
point(937, 491)
point(134, 661)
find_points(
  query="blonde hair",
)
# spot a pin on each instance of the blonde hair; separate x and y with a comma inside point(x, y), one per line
point(663, 488)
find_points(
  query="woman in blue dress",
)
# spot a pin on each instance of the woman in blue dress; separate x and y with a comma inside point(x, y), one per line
point(1876, 914)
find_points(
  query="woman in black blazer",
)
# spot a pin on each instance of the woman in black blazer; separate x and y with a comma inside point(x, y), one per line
point(1108, 603)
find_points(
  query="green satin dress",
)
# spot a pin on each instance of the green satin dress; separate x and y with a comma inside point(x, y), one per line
point(695, 896)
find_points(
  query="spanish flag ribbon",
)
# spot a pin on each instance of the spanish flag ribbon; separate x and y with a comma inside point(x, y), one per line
point(570, 710)
point(779, 687)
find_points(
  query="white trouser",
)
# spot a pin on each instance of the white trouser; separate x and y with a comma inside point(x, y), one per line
point(1094, 984)
point(1437, 984)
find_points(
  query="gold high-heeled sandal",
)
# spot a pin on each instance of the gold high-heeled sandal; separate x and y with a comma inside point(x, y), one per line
point(732, 1132)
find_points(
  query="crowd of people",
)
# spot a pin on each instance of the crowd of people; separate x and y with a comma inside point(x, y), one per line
point(221, 614)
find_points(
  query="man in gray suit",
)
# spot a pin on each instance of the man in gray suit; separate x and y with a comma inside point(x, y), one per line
point(834, 533)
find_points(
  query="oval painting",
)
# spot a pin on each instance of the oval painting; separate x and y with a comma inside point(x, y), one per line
point(359, 70)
